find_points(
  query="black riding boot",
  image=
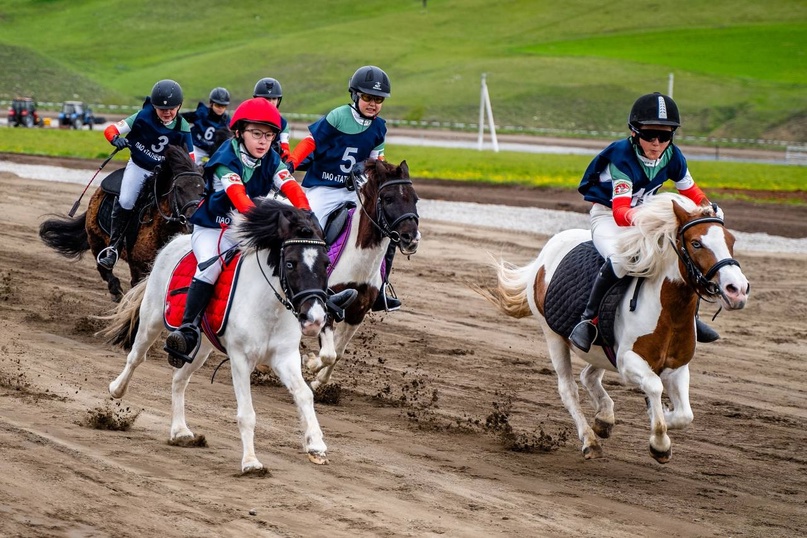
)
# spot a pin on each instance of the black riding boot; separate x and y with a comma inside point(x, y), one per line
point(704, 333)
point(120, 221)
point(181, 344)
point(585, 332)
point(384, 302)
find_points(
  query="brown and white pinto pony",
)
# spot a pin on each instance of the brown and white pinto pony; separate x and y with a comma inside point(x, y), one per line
point(683, 252)
point(387, 213)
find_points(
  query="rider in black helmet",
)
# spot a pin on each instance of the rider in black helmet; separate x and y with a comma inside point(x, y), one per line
point(346, 137)
point(208, 122)
point(623, 176)
point(148, 133)
point(270, 89)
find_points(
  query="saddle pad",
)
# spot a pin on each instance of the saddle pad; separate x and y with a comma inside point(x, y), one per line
point(214, 322)
point(568, 293)
point(104, 221)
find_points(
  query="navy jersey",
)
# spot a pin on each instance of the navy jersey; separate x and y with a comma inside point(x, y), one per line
point(149, 138)
point(204, 126)
point(216, 206)
point(337, 151)
point(672, 166)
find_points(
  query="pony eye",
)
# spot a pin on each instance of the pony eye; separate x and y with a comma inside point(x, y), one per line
point(289, 265)
point(696, 244)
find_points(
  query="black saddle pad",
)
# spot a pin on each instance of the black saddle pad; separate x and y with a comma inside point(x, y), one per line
point(336, 222)
point(568, 293)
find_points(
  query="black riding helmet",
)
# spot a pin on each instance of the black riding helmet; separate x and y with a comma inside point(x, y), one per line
point(166, 94)
point(220, 96)
point(654, 109)
point(368, 79)
point(268, 88)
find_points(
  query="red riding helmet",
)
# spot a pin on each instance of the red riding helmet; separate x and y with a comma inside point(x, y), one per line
point(256, 110)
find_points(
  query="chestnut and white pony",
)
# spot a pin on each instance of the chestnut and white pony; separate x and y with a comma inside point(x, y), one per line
point(682, 252)
point(387, 213)
point(280, 296)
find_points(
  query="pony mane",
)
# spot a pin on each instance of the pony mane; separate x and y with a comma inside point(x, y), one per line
point(269, 224)
point(177, 161)
point(646, 248)
point(377, 171)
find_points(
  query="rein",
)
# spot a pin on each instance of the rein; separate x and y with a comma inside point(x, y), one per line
point(292, 301)
point(383, 225)
point(177, 213)
point(697, 279)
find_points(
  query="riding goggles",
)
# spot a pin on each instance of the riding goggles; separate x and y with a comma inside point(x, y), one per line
point(652, 134)
point(375, 98)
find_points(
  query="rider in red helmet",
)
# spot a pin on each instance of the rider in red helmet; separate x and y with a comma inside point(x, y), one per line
point(241, 169)
point(624, 175)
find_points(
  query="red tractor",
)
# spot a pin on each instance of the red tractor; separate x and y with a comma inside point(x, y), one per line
point(23, 113)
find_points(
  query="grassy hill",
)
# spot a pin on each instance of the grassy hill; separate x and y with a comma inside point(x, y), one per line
point(740, 66)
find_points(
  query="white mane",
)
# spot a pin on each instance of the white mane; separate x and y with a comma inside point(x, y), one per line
point(646, 247)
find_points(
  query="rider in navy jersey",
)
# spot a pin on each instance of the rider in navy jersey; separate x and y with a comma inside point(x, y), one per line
point(270, 89)
point(622, 176)
point(241, 170)
point(206, 120)
point(148, 133)
point(347, 136)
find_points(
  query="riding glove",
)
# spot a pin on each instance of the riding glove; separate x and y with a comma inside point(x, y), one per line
point(120, 142)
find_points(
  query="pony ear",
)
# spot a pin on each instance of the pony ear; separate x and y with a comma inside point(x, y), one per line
point(404, 169)
point(681, 214)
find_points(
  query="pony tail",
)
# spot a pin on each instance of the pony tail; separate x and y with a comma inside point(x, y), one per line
point(510, 294)
point(125, 319)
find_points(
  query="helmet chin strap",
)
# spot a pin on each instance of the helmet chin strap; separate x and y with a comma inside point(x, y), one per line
point(245, 154)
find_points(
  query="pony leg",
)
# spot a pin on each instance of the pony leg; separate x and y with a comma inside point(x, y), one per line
point(327, 352)
point(636, 370)
point(148, 331)
point(591, 378)
point(567, 388)
point(288, 370)
point(342, 336)
point(241, 370)
point(112, 283)
point(676, 383)
point(179, 382)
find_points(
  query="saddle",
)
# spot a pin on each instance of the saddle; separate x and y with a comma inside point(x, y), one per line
point(214, 320)
point(111, 186)
point(336, 230)
point(570, 288)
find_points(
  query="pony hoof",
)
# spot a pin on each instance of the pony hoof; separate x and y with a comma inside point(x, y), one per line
point(592, 452)
point(661, 456)
point(602, 428)
point(254, 470)
point(318, 458)
point(195, 441)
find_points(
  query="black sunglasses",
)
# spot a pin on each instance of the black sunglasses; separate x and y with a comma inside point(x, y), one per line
point(652, 134)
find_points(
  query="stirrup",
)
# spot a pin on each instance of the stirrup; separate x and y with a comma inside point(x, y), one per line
point(384, 302)
point(106, 254)
point(584, 334)
point(176, 345)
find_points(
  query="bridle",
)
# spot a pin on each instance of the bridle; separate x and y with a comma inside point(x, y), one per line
point(383, 225)
point(290, 299)
point(177, 213)
point(697, 279)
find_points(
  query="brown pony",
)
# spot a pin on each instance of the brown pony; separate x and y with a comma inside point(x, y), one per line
point(168, 198)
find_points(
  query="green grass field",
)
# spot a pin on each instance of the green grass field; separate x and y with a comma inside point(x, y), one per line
point(506, 167)
point(740, 67)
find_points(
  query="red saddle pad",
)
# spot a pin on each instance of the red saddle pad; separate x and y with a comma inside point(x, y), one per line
point(215, 319)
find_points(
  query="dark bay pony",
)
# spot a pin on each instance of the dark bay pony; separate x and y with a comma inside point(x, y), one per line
point(168, 198)
point(387, 212)
point(280, 296)
point(681, 253)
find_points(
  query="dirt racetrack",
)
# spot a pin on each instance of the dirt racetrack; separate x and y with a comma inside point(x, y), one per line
point(418, 444)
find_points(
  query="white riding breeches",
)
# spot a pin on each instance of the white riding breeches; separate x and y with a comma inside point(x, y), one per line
point(200, 155)
point(324, 200)
point(207, 243)
point(604, 233)
point(131, 184)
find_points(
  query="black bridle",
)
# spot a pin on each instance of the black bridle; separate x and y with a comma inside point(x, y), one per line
point(177, 213)
point(697, 279)
point(383, 225)
point(294, 300)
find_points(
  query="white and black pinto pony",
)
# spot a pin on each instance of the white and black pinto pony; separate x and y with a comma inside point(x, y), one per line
point(387, 213)
point(680, 253)
point(280, 296)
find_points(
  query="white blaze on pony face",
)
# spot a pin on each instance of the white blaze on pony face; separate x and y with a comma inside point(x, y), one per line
point(733, 284)
point(314, 320)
